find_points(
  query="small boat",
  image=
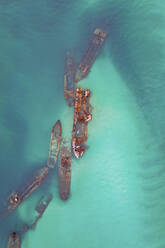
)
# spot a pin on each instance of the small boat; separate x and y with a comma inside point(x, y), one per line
point(17, 197)
point(64, 172)
point(69, 75)
point(82, 115)
point(14, 240)
point(41, 207)
point(90, 55)
point(54, 147)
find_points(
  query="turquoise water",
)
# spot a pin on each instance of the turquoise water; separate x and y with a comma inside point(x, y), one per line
point(117, 191)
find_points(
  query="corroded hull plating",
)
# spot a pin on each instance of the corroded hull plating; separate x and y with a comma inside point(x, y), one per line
point(54, 147)
point(16, 198)
point(81, 117)
point(89, 57)
point(69, 78)
point(64, 173)
point(14, 241)
point(41, 207)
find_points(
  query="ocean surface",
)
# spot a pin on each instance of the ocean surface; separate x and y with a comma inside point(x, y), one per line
point(118, 187)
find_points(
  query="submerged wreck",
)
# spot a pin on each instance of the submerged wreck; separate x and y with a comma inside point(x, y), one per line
point(69, 79)
point(17, 197)
point(90, 55)
point(82, 116)
point(41, 207)
point(64, 173)
point(14, 241)
point(54, 147)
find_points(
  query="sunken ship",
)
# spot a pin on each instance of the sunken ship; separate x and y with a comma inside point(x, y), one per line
point(64, 172)
point(14, 240)
point(41, 207)
point(17, 197)
point(90, 55)
point(82, 116)
point(69, 78)
point(54, 147)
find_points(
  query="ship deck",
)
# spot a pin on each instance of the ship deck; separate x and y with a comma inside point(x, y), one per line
point(81, 117)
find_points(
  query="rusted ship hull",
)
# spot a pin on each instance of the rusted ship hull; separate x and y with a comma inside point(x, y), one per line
point(64, 173)
point(82, 115)
point(54, 147)
point(69, 78)
point(14, 241)
point(64, 183)
point(90, 55)
point(16, 198)
point(78, 141)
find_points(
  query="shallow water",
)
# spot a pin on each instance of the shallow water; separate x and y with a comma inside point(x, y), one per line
point(117, 188)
